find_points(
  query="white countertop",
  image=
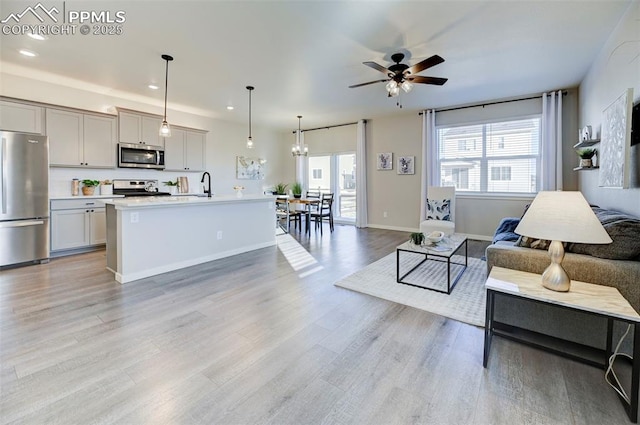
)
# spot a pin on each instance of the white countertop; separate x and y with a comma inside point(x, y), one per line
point(54, 198)
point(179, 201)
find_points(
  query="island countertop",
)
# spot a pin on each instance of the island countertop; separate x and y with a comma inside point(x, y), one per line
point(180, 201)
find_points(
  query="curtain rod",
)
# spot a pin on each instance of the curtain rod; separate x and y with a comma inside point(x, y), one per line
point(326, 127)
point(564, 93)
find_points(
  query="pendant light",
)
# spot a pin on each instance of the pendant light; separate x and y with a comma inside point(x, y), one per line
point(250, 139)
point(299, 148)
point(165, 130)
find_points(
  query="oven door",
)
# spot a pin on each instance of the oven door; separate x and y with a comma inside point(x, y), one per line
point(140, 156)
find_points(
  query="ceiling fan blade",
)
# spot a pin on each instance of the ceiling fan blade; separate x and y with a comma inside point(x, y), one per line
point(427, 63)
point(427, 80)
point(378, 67)
point(366, 84)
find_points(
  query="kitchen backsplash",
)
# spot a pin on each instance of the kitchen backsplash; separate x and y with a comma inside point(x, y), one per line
point(60, 178)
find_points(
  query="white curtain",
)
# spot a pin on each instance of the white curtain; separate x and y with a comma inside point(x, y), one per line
point(551, 155)
point(430, 175)
point(361, 175)
point(302, 164)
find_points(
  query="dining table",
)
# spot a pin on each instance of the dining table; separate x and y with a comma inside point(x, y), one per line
point(308, 203)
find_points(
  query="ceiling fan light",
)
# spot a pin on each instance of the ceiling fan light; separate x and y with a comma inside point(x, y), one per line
point(394, 91)
point(165, 130)
point(406, 86)
point(391, 85)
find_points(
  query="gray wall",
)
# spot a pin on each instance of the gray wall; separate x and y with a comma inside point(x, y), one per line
point(615, 69)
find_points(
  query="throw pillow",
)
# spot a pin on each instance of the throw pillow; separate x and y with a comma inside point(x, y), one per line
point(439, 209)
point(527, 242)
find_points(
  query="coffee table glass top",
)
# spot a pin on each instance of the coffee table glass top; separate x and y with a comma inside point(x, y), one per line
point(444, 248)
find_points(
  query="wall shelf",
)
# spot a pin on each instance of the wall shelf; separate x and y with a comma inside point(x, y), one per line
point(585, 168)
point(586, 143)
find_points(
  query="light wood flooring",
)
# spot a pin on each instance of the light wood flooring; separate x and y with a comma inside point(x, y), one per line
point(264, 337)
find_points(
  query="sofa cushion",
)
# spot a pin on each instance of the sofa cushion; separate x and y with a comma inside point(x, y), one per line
point(439, 209)
point(623, 229)
point(527, 242)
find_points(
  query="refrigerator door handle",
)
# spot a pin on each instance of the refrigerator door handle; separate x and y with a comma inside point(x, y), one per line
point(10, 224)
point(3, 175)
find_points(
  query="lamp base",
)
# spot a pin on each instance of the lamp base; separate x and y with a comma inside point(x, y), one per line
point(554, 277)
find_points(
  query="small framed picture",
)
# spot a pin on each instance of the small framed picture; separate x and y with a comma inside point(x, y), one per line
point(385, 161)
point(406, 165)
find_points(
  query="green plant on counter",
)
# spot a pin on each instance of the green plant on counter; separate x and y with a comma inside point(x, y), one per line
point(296, 188)
point(280, 189)
point(90, 183)
point(170, 183)
point(586, 153)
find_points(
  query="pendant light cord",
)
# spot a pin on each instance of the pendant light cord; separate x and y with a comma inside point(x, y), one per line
point(249, 113)
point(166, 85)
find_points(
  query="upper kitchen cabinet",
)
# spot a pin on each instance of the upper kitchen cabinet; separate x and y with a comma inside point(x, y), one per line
point(21, 117)
point(80, 140)
point(139, 128)
point(185, 150)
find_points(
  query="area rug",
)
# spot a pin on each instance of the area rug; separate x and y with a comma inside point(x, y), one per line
point(467, 300)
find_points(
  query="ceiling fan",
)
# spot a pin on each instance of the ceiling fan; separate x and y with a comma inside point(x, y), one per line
point(402, 76)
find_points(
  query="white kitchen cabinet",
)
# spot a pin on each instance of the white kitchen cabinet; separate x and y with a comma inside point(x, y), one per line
point(77, 223)
point(139, 128)
point(185, 150)
point(21, 117)
point(80, 140)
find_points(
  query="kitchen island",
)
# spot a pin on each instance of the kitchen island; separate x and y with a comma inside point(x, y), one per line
point(153, 235)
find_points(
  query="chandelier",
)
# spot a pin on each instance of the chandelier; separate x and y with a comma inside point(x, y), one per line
point(299, 148)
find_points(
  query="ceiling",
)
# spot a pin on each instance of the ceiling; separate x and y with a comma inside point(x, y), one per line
point(301, 56)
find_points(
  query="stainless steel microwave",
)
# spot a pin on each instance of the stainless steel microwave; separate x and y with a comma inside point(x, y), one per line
point(133, 155)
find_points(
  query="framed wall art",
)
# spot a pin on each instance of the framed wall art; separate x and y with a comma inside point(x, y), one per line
point(385, 161)
point(249, 168)
point(615, 143)
point(406, 165)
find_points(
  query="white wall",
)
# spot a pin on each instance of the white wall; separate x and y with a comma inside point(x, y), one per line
point(616, 68)
point(225, 139)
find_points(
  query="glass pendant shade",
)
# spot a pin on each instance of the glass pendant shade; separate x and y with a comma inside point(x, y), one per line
point(394, 91)
point(406, 86)
point(165, 130)
point(391, 85)
point(249, 143)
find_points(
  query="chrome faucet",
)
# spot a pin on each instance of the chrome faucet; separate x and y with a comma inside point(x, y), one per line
point(208, 191)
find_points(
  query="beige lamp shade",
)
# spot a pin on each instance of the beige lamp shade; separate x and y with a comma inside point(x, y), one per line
point(562, 216)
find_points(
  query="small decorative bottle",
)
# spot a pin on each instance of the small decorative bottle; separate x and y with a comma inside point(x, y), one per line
point(75, 187)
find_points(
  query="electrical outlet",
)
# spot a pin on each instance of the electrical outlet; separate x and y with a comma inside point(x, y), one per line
point(219, 234)
point(135, 217)
point(385, 214)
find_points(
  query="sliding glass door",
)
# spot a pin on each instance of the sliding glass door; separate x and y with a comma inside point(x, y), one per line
point(336, 174)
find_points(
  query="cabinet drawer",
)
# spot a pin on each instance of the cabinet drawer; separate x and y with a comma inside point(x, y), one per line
point(70, 204)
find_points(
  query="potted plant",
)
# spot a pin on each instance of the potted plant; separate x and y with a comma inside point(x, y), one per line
point(173, 186)
point(296, 189)
point(89, 186)
point(106, 187)
point(585, 157)
point(281, 189)
point(417, 238)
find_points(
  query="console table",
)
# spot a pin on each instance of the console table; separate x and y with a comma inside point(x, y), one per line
point(599, 300)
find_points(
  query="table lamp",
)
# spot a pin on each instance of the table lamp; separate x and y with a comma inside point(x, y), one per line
point(561, 217)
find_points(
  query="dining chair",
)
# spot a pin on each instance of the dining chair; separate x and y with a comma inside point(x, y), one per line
point(324, 211)
point(284, 212)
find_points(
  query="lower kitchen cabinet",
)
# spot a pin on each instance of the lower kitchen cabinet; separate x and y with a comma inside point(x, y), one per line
point(77, 223)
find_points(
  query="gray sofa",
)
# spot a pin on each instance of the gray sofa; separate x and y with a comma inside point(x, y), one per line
point(577, 327)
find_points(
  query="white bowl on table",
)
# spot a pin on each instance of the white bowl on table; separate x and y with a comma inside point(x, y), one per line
point(435, 237)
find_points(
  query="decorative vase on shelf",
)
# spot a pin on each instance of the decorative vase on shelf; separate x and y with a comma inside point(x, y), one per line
point(88, 190)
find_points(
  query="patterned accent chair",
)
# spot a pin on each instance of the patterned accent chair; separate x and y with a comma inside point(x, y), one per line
point(441, 203)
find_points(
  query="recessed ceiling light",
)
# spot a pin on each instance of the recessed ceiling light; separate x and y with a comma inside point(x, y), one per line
point(28, 53)
point(153, 87)
point(230, 108)
point(36, 36)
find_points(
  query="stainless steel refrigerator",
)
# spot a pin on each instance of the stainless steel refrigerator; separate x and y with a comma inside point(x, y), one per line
point(24, 198)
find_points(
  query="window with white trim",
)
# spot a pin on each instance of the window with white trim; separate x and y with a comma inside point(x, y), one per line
point(492, 157)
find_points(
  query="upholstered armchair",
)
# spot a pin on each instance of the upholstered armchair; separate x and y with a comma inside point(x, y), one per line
point(441, 202)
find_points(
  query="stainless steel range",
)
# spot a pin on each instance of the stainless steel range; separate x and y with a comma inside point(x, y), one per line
point(137, 188)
